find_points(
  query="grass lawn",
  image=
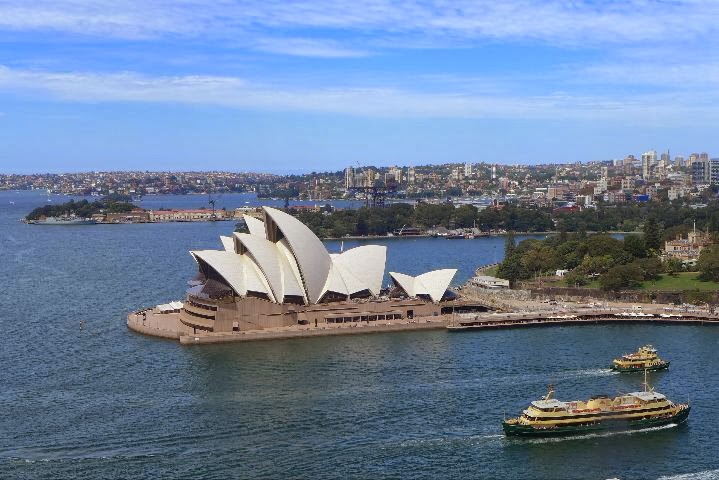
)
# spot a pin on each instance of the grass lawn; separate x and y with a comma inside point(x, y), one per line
point(491, 271)
point(682, 281)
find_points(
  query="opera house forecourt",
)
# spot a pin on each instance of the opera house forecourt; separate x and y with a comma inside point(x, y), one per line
point(279, 281)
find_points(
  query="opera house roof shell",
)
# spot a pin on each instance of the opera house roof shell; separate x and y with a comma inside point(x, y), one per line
point(282, 260)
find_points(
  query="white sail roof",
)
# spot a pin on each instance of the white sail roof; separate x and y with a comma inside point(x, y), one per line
point(437, 282)
point(255, 226)
point(433, 284)
point(281, 257)
point(239, 271)
point(273, 264)
point(405, 282)
point(335, 283)
point(363, 266)
point(228, 243)
point(312, 258)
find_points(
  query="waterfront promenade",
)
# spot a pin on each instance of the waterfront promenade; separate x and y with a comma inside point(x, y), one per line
point(167, 325)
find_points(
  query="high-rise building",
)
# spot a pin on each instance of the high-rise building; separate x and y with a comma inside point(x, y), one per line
point(396, 174)
point(649, 159)
point(369, 177)
point(701, 172)
point(410, 175)
point(457, 174)
point(714, 171)
point(467, 169)
point(349, 177)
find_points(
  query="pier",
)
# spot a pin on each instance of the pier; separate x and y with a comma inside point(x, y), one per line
point(589, 316)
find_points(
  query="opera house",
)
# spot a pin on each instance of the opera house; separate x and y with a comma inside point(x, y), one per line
point(280, 274)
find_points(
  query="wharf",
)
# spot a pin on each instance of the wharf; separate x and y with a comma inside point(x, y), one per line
point(581, 317)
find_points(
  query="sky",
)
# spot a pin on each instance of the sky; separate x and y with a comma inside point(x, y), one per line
point(296, 86)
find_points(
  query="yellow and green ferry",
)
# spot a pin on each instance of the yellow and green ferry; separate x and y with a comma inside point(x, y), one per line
point(646, 358)
point(636, 410)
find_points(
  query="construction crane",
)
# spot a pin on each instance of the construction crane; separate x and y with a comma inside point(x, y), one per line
point(376, 194)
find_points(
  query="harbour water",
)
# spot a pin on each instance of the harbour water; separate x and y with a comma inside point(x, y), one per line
point(84, 397)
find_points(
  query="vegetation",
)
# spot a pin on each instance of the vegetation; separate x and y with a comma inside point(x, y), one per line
point(657, 221)
point(380, 221)
point(84, 208)
point(708, 264)
point(679, 281)
point(608, 263)
point(672, 217)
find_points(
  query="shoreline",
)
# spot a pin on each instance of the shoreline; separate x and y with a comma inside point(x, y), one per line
point(168, 325)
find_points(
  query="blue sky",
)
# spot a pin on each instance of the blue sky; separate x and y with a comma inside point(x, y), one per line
point(298, 86)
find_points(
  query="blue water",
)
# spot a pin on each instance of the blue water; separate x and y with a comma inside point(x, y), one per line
point(103, 402)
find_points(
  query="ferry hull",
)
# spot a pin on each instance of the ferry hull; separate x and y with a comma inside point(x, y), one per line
point(651, 368)
point(513, 429)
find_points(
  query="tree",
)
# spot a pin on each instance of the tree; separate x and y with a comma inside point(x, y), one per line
point(595, 265)
point(621, 277)
point(652, 267)
point(576, 278)
point(509, 244)
point(672, 266)
point(652, 235)
point(465, 216)
point(634, 245)
point(510, 269)
point(708, 264)
point(540, 258)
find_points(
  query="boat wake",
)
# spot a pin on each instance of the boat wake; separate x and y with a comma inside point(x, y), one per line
point(704, 475)
point(590, 372)
point(451, 439)
point(607, 434)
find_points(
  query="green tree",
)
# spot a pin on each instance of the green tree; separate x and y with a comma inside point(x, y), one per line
point(708, 264)
point(509, 244)
point(596, 265)
point(465, 216)
point(634, 245)
point(576, 278)
point(621, 277)
point(539, 259)
point(651, 267)
point(652, 235)
point(672, 266)
point(510, 269)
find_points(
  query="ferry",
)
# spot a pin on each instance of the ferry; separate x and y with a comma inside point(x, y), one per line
point(636, 410)
point(67, 220)
point(645, 358)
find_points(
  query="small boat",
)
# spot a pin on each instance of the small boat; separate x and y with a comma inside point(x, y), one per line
point(645, 358)
point(454, 236)
point(630, 411)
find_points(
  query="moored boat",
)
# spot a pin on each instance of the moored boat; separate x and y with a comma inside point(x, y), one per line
point(646, 358)
point(636, 410)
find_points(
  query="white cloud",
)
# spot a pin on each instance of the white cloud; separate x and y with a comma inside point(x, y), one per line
point(662, 74)
point(306, 47)
point(372, 101)
point(579, 23)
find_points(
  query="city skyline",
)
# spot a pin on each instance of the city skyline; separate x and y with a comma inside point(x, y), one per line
point(290, 88)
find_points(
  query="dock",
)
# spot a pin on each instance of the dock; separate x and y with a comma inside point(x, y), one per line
point(581, 317)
